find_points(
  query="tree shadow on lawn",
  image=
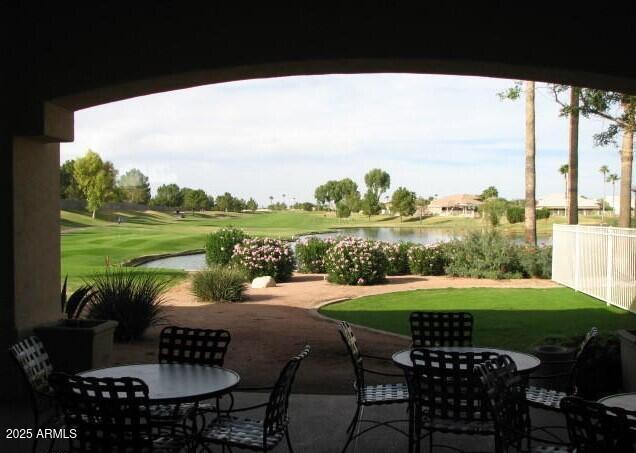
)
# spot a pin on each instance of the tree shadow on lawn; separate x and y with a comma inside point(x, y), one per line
point(519, 330)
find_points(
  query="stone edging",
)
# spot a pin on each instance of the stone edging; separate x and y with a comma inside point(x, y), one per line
point(137, 261)
point(314, 311)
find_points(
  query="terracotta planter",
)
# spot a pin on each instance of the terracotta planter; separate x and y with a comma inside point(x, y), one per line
point(78, 345)
point(548, 354)
point(628, 359)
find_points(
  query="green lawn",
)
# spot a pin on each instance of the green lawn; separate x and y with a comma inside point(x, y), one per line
point(509, 318)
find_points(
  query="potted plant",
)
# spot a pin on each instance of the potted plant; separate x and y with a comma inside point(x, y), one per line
point(73, 343)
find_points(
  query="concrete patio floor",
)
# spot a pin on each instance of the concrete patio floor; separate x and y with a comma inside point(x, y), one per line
point(318, 424)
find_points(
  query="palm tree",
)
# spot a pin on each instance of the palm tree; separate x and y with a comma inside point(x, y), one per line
point(604, 171)
point(564, 169)
point(573, 157)
point(612, 178)
point(271, 199)
point(530, 173)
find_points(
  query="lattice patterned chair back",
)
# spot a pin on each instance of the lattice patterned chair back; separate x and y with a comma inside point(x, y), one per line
point(276, 418)
point(506, 392)
point(34, 363)
point(346, 333)
point(110, 415)
point(193, 346)
point(444, 385)
point(594, 427)
point(441, 329)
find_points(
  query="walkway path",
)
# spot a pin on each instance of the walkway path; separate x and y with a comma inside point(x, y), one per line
point(274, 323)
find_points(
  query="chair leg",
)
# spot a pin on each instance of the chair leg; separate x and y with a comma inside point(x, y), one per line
point(354, 426)
point(289, 445)
point(353, 420)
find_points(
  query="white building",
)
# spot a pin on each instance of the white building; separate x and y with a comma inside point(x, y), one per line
point(464, 205)
point(557, 205)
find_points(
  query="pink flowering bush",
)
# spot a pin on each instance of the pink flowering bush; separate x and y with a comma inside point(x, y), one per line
point(310, 254)
point(427, 259)
point(397, 256)
point(264, 256)
point(355, 261)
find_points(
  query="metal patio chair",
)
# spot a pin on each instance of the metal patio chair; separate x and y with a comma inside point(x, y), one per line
point(594, 427)
point(259, 435)
point(441, 328)
point(369, 395)
point(190, 346)
point(111, 415)
point(35, 367)
point(550, 399)
point(506, 391)
point(447, 396)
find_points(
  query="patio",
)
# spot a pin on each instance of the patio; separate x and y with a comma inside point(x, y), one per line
point(318, 425)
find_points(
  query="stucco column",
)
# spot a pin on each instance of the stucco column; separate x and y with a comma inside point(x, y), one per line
point(31, 246)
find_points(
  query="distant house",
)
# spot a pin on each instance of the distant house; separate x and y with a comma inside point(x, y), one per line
point(464, 205)
point(557, 203)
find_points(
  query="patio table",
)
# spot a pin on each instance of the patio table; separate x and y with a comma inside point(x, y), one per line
point(625, 401)
point(526, 363)
point(171, 383)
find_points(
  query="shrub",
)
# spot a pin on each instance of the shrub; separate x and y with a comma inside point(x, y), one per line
point(219, 283)
point(355, 261)
point(515, 214)
point(543, 213)
point(492, 210)
point(219, 246)
point(397, 257)
point(342, 210)
point(483, 255)
point(134, 299)
point(427, 259)
point(536, 261)
point(264, 256)
point(310, 254)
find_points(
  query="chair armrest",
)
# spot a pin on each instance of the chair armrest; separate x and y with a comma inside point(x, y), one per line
point(375, 357)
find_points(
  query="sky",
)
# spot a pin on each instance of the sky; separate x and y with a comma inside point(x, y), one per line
point(434, 134)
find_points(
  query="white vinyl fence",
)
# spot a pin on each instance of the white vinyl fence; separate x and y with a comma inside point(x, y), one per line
point(599, 261)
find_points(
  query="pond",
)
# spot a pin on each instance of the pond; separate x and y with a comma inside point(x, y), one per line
point(416, 235)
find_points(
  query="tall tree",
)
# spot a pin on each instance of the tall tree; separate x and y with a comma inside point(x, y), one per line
point(490, 192)
point(612, 178)
point(571, 110)
point(620, 111)
point(68, 185)
point(604, 170)
point(135, 187)
point(251, 205)
point(370, 204)
point(195, 200)
point(378, 181)
point(564, 170)
point(530, 223)
point(95, 178)
point(403, 202)
point(168, 195)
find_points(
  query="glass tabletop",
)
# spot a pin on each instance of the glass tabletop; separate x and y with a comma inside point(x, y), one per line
point(175, 383)
point(526, 363)
point(625, 401)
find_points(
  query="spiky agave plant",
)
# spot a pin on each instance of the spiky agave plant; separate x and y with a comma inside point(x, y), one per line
point(73, 305)
point(132, 298)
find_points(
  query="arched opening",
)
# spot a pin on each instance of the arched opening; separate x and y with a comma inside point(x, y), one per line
point(69, 77)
